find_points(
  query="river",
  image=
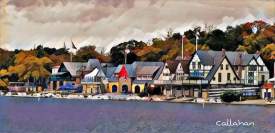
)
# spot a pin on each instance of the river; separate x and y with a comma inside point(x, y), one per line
point(30, 115)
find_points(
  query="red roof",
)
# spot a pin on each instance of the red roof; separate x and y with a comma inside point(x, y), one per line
point(123, 72)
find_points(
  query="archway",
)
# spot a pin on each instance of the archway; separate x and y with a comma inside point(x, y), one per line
point(137, 89)
point(114, 88)
point(124, 89)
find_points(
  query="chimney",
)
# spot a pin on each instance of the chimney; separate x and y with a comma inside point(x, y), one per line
point(258, 52)
point(223, 52)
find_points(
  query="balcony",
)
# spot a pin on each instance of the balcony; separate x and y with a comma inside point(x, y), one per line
point(196, 74)
point(180, 82)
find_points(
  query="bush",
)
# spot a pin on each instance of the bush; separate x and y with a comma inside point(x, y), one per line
point(230, 96)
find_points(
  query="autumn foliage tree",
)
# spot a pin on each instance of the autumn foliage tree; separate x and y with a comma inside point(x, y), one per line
point(29, 67)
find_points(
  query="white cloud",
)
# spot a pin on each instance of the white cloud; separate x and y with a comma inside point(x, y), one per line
point(107, 23)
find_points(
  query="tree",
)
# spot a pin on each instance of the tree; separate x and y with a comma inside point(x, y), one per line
point(216, 40)
point(233, 37)
point(117, 52)
point(27, 67)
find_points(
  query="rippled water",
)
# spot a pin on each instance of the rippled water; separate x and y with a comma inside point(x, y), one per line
point(28, 115)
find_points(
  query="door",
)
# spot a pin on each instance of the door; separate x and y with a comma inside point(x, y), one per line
point(114, 88)
point(137, 89)
point(124, 89)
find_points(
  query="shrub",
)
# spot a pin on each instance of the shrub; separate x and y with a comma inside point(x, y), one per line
point(230, 96)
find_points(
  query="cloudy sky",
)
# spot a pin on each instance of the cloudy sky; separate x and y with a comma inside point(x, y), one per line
point(104, 23)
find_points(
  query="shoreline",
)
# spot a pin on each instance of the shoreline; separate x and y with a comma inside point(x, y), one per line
point(258, 102)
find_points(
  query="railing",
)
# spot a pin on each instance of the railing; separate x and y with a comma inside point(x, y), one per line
point(180, 82)
point(196, 74)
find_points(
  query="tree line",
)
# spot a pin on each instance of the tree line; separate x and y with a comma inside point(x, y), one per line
point(35, 64)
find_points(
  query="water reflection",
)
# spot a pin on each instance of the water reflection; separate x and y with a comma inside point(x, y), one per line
point(28, 115)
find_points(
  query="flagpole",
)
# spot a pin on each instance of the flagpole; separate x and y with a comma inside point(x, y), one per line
point(196, 42)
point(182, 47)
point(71, 56)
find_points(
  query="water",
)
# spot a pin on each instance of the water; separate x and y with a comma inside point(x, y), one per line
point(28, 115)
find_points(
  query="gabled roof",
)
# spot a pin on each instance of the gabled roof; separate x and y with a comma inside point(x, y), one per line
point(172, 65)
point(185, 66)
point(92, 64)
point(148, 70)
point(239, 58)
point(92, 74)
point(123, 72)
point(140, 63)
point(129, 69)
point(256, 55)
point(109, 72)
point(205, 58)
point(73, 67)
point(217, 57)
point(213, 70)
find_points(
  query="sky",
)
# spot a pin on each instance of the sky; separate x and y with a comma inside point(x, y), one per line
point(105, 23)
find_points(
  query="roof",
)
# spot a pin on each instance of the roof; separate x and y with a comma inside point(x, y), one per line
point(92, 74)
point(205, 58)
point(217, 57)
point(239, 58)
point(92, 64)
point(149, 70)
point(140, 63)
point(123, 72)
point(185, 65)
point(109, 72)
point(172, 65)
point(129, 69)
point(73, 67)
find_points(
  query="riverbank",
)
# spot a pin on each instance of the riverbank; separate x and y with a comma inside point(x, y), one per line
point(133, 97)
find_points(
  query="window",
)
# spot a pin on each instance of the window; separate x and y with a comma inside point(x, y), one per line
point(263, 78)
point(234, 79)
point(199, 65)
point(228, 76)
point(250, 77)
point(220, 77)
point(221, 66)
point(252, 68)
point(226, 67)
point(194, 65)
point(262, 68)
point(214, 78)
